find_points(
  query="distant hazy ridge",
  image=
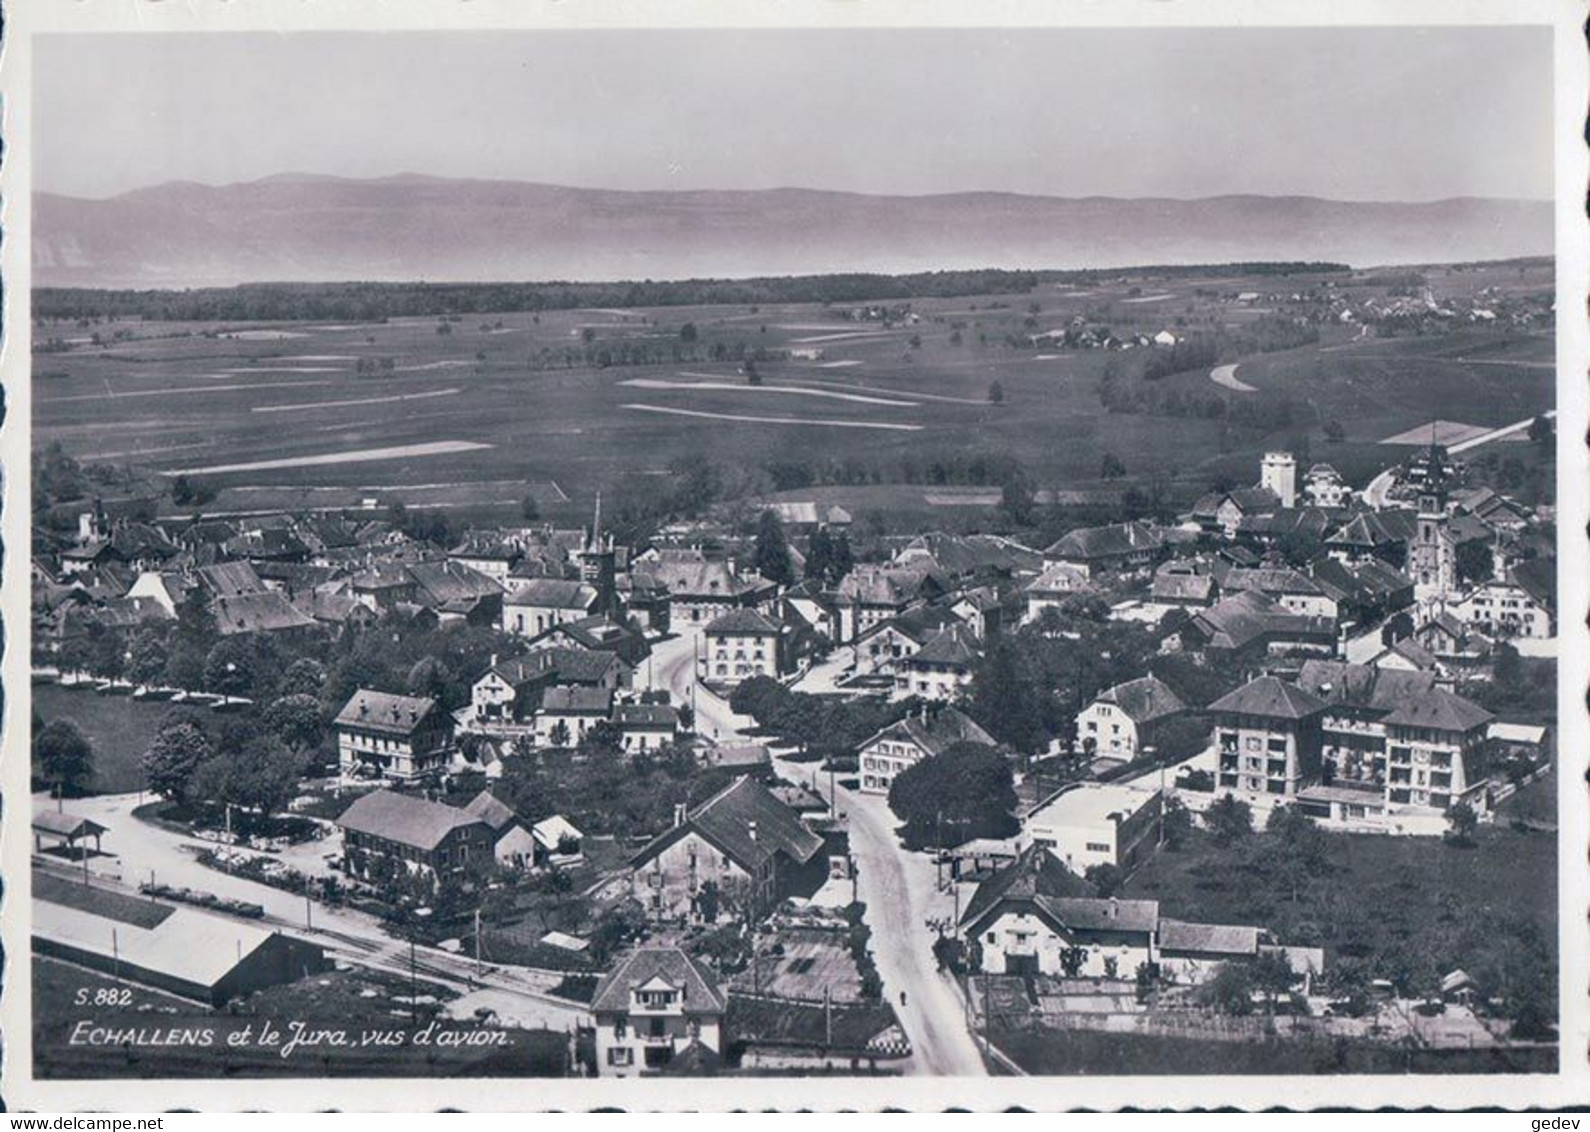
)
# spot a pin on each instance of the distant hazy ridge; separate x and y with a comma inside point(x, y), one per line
point(307, 228)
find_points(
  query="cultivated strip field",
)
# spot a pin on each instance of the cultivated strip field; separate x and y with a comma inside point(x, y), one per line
point(775, 420)
point(359, 456)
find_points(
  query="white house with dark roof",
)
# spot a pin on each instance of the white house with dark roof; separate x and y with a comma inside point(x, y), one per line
point(871, 594)
point(513, 845)
point(1522, 604)
point(401, 737)
point(532, 607)
point(1121, 721)
point(942, 667)
point(646, 727)
point(657, 1005)
point(907, 742)
point(742, 841)
point(1267, 734)
point(1120, 546)
point(740, 644)
point(567, 713)
point(1035, 916)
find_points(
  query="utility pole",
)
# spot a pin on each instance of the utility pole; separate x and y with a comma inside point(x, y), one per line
point(756, 883)
point(414, 984)
point(478, 967)
point(938, 850)
point(988, 1020)
point(308, 910)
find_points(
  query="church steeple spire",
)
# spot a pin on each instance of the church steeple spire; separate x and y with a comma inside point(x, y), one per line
point(595, 542)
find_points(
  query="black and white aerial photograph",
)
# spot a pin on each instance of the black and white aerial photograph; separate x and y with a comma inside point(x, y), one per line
point(792, 552)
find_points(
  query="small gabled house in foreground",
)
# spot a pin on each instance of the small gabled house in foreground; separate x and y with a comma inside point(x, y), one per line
point(655, 1006)
point(1035, 916)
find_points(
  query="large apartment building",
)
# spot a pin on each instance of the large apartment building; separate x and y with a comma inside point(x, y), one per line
point(1268, 736)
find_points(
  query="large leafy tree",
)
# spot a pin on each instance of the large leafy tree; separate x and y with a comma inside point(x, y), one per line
point(63, 756)
point(1006, 701)
point(179, 748)
point(770, 557)
point(260, 776)
point(149, 648)
point(297, 721)
point(1229, 820)
point(964, 791)
point(305, 676)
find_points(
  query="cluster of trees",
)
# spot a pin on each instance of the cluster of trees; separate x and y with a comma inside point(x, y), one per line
point(828, 557)
point(191, 493)
point(370, 302)
point(1194, 351)
point(602, 353)
point(965, 791)
point(915, 466)
point(1148, 273)
point(770, 555)
point(822, 725)
point(371, 367)
point(602, 790)
point(1031, 684)
point(63, 757)
point(1520, 687)
point(252, 765)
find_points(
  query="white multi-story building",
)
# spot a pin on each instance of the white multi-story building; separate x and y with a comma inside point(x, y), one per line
point(1096, 823)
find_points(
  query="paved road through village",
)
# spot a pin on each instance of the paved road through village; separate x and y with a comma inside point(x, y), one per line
point(898, 887)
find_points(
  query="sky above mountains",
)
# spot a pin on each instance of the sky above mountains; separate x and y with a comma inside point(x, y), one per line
point(1348, 114)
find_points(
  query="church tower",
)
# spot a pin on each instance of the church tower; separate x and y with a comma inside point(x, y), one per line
point(598, 564)
point(1432, 560)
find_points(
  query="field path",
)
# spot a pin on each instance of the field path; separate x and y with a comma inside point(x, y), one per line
point(362, 455)
point(355, 401)
point(733, 387)
point(747, 419)
point(1227, 376)
point(179, 390)
point(876, 389)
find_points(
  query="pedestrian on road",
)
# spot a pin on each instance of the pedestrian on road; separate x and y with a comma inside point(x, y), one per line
point(902, 998)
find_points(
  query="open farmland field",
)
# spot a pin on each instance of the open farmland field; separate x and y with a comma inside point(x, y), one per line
point(500, 406)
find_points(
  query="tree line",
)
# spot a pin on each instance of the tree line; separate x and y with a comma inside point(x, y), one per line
point(364, 302)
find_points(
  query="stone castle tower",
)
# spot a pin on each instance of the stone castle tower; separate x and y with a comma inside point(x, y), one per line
point(1278, 474)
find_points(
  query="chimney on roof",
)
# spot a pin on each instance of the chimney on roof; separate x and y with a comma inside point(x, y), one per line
point(680, 813)
point(364, 709)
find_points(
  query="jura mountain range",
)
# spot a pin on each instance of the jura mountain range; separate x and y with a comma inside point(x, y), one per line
point(308, 228)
